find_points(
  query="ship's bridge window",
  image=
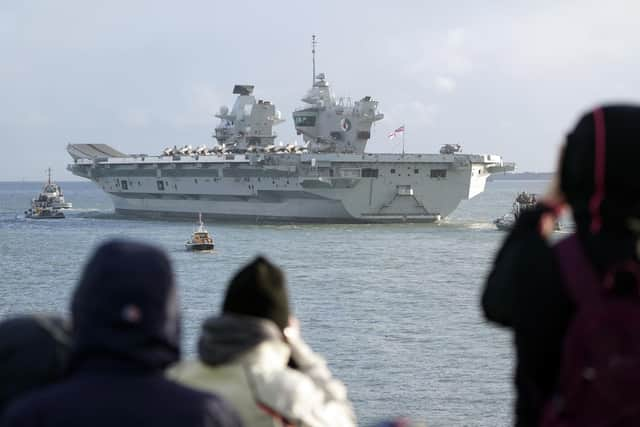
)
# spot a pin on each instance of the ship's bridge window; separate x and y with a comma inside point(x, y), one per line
point(438, 173)
point(416, 171)
point(392, 171)
point(369, 173)
point(305, 121)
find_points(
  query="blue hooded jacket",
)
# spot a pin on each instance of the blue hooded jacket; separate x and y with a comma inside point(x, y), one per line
point(125, 332)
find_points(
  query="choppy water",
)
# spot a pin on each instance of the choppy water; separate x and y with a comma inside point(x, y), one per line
point(394, 308)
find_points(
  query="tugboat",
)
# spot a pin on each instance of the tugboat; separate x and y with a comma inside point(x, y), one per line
point(49, 203)
point(200, 239)
point(38, 212)
point(523, 202)
point(51, 196)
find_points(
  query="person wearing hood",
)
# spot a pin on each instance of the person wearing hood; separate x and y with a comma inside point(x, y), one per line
point(529, 290)
point(253, 355)
point(34, 352)
point(125, 333)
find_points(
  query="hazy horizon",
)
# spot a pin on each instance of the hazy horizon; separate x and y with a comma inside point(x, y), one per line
point(140, 76)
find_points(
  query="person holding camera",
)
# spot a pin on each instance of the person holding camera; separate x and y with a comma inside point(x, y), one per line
point(254, 356)
point(574, 303)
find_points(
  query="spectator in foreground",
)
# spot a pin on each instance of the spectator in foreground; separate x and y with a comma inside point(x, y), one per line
point(253, 355)
point(34, 352)
point(574, 306)
point(125, 333)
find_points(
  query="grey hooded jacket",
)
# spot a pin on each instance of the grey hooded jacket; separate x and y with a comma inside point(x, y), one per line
point(245, 360)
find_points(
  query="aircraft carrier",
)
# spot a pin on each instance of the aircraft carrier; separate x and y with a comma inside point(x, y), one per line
point(248, 176)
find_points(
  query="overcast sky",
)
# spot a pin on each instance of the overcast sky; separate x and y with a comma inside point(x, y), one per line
point(502, 77)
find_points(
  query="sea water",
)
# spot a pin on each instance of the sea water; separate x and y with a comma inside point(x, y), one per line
point(395, 309)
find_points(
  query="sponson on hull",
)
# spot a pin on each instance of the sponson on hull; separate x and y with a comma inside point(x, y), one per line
point(248, 177)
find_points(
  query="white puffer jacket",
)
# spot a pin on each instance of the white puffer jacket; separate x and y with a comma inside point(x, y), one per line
point(245, 360)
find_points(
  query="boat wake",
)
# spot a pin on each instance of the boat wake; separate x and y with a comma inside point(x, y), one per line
point(92, 213)
point(11, 217)
point(468, 224)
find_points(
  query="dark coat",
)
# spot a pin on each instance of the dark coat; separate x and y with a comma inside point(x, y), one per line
point(34, 352)
point(525, 290)
point(108, 393)
point(126, 332)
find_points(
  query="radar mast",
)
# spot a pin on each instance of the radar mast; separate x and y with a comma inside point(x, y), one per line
point(313, 55)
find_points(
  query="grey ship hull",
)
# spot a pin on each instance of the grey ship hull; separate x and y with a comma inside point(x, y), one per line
point(289, 211)
point(323, 188)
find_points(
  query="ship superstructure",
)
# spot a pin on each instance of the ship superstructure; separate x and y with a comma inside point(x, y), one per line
point(335, 125)
point(248, 126)
point(248, 177)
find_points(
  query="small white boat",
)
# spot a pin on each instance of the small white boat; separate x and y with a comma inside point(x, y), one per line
point(201, 240)
point(505, 222)
point(51, 196)
point(524, 201)
point(44, 213)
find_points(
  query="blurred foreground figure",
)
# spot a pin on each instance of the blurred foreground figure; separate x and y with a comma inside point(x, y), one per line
point(254, 357)
point(34, 352)
point(126, 331)
point(575, 306)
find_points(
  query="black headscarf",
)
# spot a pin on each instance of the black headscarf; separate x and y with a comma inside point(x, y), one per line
point(125, 307)
point(619, 129)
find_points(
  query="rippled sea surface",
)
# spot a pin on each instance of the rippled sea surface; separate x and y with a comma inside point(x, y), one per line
point(394, 308)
